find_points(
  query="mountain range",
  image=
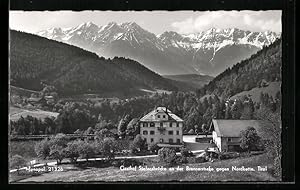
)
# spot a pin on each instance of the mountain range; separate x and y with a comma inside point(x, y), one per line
point(35, 61)
point(209, 52)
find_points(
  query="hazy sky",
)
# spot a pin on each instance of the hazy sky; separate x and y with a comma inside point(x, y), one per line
point(156, 21)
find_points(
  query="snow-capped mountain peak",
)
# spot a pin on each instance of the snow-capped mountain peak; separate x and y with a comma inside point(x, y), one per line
point(133, 41)
point(215, 38)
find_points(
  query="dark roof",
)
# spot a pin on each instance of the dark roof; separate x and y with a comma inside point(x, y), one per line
point(151, 115)
point(233, 128)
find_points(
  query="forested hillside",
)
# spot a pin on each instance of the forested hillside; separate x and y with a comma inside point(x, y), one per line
point(72, 70)
point(264, 66)
point(256, 76)
point(195, 80)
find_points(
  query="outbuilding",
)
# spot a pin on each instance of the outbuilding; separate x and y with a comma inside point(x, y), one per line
point(227, 133)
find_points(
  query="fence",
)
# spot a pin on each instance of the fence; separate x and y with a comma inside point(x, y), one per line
point(40, 137)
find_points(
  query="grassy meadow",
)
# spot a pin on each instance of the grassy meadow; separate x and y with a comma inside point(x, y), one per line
point(112, 174)
point(15, 113)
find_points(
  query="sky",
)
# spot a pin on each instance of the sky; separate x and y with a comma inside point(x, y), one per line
point(157, 22)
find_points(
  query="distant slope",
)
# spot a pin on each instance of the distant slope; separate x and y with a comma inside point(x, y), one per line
point(265, 65)
point(194, 80)
point(75, 71)
point(182, 86)
point(254, 93)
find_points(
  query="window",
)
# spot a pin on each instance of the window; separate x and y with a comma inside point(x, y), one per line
point(151, 124)
point(170, 124)
point(158, 116)
point(151, 140)
point(145, 124)
point(170, 140)
point(152, 132)
point(145, 132)
point(178, 140)
point(161, 124)
point(170, 132)
point(229, 139)
point(161, 140)
point(164, 116)
point(177, 132)
point(177, 124)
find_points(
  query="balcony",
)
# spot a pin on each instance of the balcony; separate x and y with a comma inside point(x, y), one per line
point(170, 145)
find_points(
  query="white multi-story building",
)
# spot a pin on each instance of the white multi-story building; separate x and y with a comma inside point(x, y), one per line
point(163, 127)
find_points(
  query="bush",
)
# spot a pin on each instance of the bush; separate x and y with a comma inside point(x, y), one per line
point(53, 148)
point(200, 160)
point(191, 160)
point(58, 153)
point(211, 154)
point(167, 156)
point(59, 140)
point(228, 155)
point(181, 159)
point(42, 149)
point(154, 147)
point(73, 150)
point(126, 163)
point(95, 164)
point(123, 144)
point(26, 149)
point(109, 147)
point(86, 150)
point(17, 161)
point(250, 139)
point(138, 144)
point(185, 152)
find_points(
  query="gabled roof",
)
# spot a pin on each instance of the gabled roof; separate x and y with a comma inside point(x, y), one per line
point(151, 115)
point(233, 128)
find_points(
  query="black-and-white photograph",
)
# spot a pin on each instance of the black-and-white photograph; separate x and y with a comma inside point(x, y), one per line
point(135, 96)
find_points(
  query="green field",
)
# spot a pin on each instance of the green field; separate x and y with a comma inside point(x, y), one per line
point(15, 110)
point(22, 91)
point(72, 173)
point(271, 89)
point(23, 148)
point(15, 113)
point(254, 93)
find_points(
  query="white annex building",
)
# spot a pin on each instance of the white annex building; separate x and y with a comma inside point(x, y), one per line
point(227, 133)
point(163, 127)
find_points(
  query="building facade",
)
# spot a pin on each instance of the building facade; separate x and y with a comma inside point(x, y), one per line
point(163, 127)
